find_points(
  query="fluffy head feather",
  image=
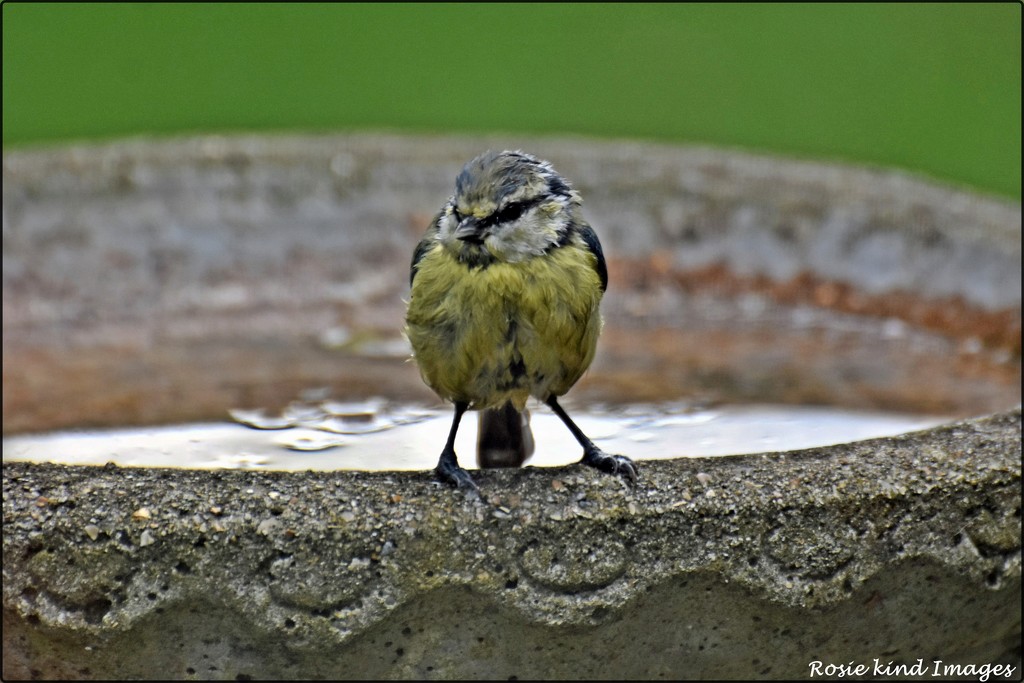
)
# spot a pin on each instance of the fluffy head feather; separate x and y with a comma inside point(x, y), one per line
point(507, 206)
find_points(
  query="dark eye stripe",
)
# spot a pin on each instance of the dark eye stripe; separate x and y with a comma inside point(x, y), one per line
point(511, 212)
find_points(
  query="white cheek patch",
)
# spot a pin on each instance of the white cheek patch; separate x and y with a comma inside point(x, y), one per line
point(532, 235)
point(446, 228)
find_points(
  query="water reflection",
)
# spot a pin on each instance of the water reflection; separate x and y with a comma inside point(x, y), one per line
point(375, 435)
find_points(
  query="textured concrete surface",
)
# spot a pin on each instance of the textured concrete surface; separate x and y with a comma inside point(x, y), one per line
point(749, 566)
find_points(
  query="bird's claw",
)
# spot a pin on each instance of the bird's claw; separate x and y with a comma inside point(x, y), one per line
point(613, 464)
point(456, 477)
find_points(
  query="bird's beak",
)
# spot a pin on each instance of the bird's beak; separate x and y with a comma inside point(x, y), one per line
point(469, 230)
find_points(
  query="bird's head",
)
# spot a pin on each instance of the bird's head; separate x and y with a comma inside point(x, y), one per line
point(507, 206)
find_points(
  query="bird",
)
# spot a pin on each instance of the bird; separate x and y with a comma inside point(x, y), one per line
point(505, 289)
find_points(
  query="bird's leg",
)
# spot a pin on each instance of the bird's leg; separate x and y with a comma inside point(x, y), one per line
point(592, 455)
point(448, 469)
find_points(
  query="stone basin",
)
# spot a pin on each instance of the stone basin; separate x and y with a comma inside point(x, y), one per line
point(162, 282)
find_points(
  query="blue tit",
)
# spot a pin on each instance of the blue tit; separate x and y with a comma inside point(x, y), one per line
point(506, 287)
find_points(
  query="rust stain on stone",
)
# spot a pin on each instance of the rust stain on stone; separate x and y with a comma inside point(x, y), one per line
point(950, 316)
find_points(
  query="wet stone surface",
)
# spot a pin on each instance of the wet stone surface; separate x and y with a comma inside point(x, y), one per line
point(733, 566)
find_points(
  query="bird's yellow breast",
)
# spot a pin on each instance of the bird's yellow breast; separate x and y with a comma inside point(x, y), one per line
point(504, 331)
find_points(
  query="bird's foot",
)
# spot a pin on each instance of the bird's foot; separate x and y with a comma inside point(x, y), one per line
point(456, 477)
point(613, 464)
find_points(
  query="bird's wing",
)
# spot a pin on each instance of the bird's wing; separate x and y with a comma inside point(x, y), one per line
point(428, 241)
point(594, 245)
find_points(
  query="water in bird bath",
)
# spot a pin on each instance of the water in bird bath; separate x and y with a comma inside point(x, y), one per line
point(374, 435)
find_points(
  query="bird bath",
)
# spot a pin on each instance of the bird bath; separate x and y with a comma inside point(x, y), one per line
point(151, 287)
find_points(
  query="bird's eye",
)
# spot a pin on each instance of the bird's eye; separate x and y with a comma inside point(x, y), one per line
point(509, 213)
point(458, 216)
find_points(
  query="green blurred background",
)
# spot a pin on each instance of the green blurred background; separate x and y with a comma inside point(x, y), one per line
point(934, 88)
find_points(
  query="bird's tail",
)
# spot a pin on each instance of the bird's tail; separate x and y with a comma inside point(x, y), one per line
point(504, 438)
